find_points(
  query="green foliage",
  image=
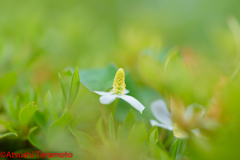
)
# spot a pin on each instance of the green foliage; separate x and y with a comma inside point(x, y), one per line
point(100, 130)
point(41, 38)
point(49, 103)
point(70, 89)
point(75, 84)
point(84, 140)
point(35, 140)
point(58, 126)
point(26, 113)
point(64, 87)
point(7, 81)
point(111, 128)
point(174, 149)
point(8, 134)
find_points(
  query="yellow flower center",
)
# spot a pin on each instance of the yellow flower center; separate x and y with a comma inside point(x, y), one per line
point(119, 82)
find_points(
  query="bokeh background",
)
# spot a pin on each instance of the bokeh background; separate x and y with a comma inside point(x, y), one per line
point(188, 48)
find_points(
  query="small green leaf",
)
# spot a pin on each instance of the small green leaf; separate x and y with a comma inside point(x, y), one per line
point(153, 136)
point(26, 113)
point(41, 119)
point(100, 129)
point(34, 139)
point(14, 108)
point(128, 124)
point(84, 140)
point(7, 81)
point(7, 125)
point(74, 85)
point(64, 88)
point(157, 153)
point(8, 134)
point(59, 125)
point(138, 135)
point(111, 129)
point(173, 150)
point(49, 103)
point(119, 134)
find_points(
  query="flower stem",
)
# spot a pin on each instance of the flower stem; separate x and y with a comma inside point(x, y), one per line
point(114, 107)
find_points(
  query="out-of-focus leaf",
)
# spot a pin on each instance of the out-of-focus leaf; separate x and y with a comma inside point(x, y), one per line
point(111, 129)
point(128, 124)
point(157, 153)
point(8, 134)
point(173, 150)
point(64, 87)
point(41, 119)
point(49, 103)
point(100, 129)
point(153, 136)
point(98, 79)
point(7, 125)
point(14, 108)
point(7, 81)
point(75, 84)
point(173, 52)
point(26, 113)
point(119, 134)
point(84, 140)
point(34, 139)
point(59, 125)
point(138, 135)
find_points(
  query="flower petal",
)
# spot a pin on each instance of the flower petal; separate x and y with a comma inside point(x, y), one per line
point(126, 91)
point(155, 123)
point(133, 102)
point(107, 99)
point(195, 111)
point(161, 112)
point(196, 131)
point(102, 93)
point(178, 132)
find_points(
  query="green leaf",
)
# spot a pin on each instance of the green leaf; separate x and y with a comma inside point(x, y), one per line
point(138, 135)
point(34, 139)
point(128, 124)
point(26, 113)
point(74, 85)
point(8, 134)
point(119, 134)
point(111, 129)
point(153, 136)
point(84, 140)
point(100, 129)
point(7, 125)
point(98, 79)
point(173, 150)
point(49, 103)
point(64, 87)
point(7, 81)
point(14, 108)
point(157, 153)
point(59, 125)
point(41, 119)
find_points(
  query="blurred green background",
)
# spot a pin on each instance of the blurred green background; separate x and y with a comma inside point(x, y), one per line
point(38, 39)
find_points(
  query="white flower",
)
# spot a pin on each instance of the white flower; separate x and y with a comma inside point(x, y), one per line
point(119, 91)
point(160, 111)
